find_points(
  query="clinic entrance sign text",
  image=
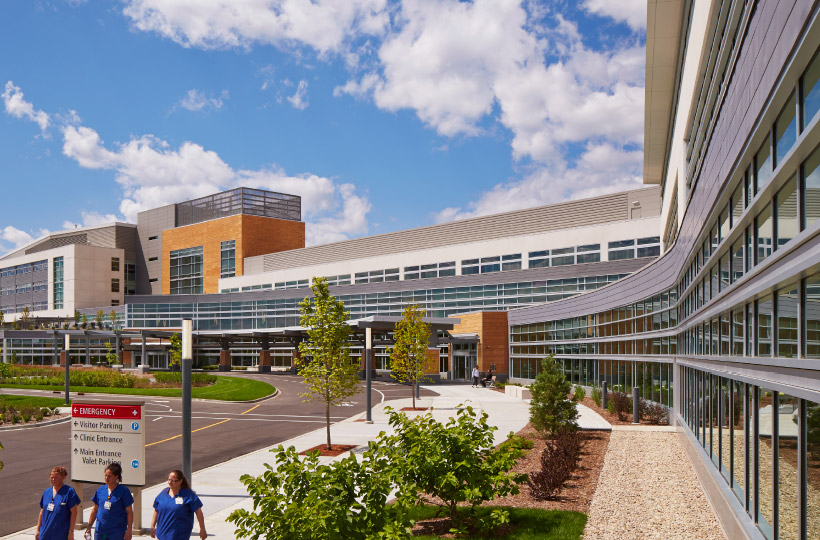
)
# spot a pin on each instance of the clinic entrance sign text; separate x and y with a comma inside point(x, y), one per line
point(103, 433)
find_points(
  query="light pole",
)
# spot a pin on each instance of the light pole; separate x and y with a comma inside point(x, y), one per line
point(67, 362)
point(368, 364)
point(187, 361)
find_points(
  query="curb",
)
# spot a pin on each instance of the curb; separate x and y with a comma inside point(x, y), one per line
point(14, 427)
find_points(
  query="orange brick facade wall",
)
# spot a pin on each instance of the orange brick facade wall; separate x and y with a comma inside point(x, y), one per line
point(493, 346)
point(254, 235)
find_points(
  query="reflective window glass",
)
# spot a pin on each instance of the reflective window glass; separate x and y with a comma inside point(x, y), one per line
point(763, 234)
point(811, 188)
point(737, 259)
point(813, 462)
point(787, 466)
point(738, 441)
point(786, 202)
point(812, 317)
point(811, 91)
point(766, 409)
point(764, 326)
point(787, 301)
point(737, 333)
point(785, 130)
point(737, 204)
point(763, 166)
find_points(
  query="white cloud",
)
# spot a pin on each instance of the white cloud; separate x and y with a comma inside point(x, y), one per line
point(195, 100)
point(602, 168)
point(14, 236)
point(632, 12)
point(91, 219)
point(299, 98)
point(152, 174)
point(325, 25)
point(18, 107)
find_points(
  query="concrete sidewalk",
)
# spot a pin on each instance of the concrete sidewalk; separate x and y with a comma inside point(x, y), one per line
point(222, 492)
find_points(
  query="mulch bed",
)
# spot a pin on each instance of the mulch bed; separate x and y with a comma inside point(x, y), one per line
point(335, 449)
point(608, 416)
point(576, 495)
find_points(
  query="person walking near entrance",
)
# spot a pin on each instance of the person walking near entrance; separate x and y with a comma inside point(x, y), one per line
point(58, 509)
point(112, 507)
point(475, 376)
point(174, 510)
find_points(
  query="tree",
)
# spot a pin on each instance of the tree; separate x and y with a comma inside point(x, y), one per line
point(99, 317)
point(330, 376)
point(408, 357)
point(176, 350)
point(84, 319)
point(301, 499)
point(113, 318)
point(454, 464)
point(111, 355)
point(550, 409)
point(24, 316)
point(2, 319)
point(76, 318)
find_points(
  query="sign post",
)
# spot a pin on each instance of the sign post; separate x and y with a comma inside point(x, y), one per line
point(104, 433)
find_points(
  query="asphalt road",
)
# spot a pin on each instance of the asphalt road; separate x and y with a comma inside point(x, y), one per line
point(226, 430)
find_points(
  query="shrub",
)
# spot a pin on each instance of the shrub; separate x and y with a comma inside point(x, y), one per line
point(596, 395)
point(559, 460)
point(210, 367)
point(175, 377)
point(45, 411)
point(302, 499)
point(38, 415)
point(550, 410)
point(654, 413)
point(518, 443)
point(579, 394)
point(620, 404)
point(15, 418)
point(455, 463)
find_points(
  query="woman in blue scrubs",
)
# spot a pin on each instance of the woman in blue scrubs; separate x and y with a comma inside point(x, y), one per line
point(112, 510)
point(174, 510)
point(58, 509)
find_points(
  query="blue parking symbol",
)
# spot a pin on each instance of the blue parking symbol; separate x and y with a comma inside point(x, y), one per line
point(135, 464)
point(135, 426)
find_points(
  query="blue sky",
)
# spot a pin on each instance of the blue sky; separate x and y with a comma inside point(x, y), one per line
point(383, 115)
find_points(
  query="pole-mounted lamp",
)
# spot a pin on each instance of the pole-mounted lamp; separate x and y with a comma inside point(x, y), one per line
point(67, 364)
point(187, 361)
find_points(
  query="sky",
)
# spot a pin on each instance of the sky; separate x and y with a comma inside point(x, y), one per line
point(382, 115)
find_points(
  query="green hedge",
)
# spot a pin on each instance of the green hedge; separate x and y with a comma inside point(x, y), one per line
point(176, 377)
point(54, 376)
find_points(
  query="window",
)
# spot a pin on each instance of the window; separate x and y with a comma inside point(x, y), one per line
point(153, 237)
point(785, 131)
point(115, 302)
point(186, 271)
point(588, 257)
point(737, 204)
point(786, 203)
point(764, 326)
point(511, 262)
point(470, 266)
point(810, 91)
point(811, 188)
point(152, 280)
point(811, 326)
point(490, 264)
point(115, 264)
point(653, 251)
point(763, 234)
point(57, 265)
point(763, 166)
point(539, 259)
point(787, 300)
point(151, 259)
point(228, 259)
point(115, 285)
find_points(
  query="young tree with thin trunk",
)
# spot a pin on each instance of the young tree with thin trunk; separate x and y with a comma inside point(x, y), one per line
point(330, 376)
point(408, 358)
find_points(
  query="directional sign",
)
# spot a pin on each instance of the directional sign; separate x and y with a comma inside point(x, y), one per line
point(104, 433)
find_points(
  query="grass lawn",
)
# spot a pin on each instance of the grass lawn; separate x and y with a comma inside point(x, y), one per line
point(20, 402)
point(528, 523)
point(225, 389)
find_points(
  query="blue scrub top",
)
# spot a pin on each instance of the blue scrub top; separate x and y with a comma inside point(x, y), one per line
point(57, 521)
point(112, 522)
point(175, 515)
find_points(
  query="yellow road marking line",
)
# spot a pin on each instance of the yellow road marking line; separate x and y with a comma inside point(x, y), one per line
point(193, 431)
point(252, 408)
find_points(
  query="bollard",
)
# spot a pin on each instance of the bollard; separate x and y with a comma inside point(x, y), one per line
point(636, 405)
point(603, 394)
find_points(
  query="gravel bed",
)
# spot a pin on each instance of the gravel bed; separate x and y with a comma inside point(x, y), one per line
point(648, 489)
